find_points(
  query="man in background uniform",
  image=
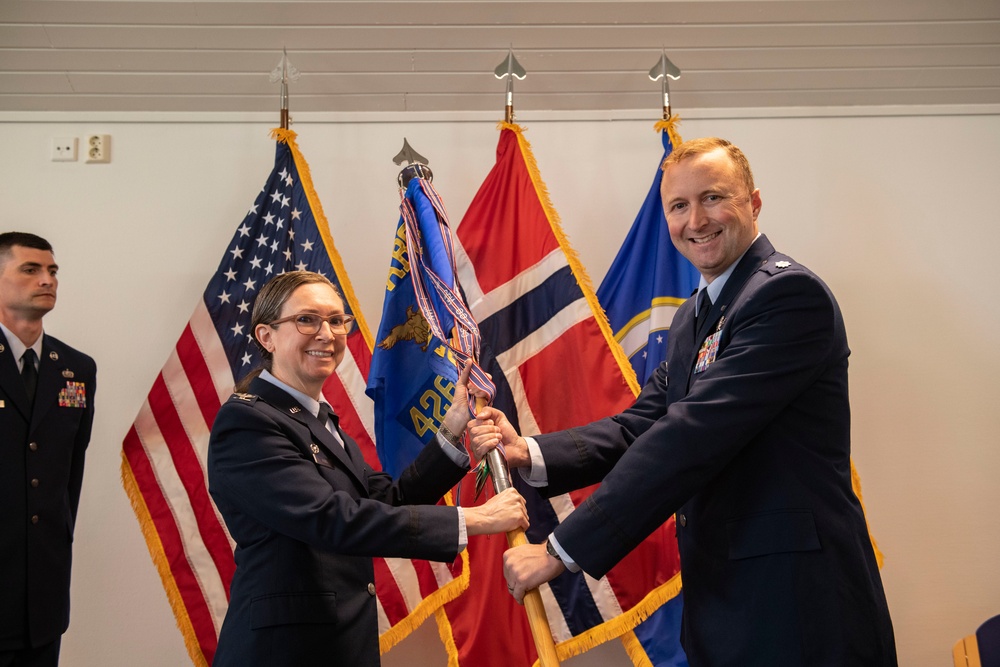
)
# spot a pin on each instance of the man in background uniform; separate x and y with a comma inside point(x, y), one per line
point(46, 414)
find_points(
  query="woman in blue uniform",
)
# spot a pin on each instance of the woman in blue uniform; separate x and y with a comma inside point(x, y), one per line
point(306, 512)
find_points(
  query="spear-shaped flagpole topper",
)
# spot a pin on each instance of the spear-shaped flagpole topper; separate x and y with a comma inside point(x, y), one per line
point(666, 70)
point(416, 166)
point(511, 69)
point(284, 73)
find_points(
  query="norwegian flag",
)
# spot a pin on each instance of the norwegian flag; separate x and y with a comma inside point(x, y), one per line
point(550, 351)
point(164, 453)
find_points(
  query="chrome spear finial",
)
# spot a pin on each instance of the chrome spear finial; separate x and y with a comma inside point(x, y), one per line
point(284, 73)
point(511, 69)
point(666, 70)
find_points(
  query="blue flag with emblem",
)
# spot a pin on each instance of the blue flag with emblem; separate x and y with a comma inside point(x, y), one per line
point(425, 333)
point(642, 290)
point(648, 280)
point(412, 379)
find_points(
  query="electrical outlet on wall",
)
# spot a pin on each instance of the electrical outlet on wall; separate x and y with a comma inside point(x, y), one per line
point(98, 147)
point(63, 149)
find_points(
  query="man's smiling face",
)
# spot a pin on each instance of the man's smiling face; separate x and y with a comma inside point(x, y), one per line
point(711, 217)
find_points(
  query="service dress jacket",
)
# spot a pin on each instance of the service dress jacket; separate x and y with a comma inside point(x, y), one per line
point(307, 516)
point(42, 454)
point(752, 453)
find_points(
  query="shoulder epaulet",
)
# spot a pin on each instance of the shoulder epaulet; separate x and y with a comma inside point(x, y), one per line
point(773, 266)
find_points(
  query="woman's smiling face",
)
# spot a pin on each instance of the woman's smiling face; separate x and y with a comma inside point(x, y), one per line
point(305, 361)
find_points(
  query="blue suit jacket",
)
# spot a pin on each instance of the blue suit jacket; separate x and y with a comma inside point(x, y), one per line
point(307, 517)
point(41, 472)
point(753, 454)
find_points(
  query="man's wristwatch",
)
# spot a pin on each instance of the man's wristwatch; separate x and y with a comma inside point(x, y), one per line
point(551, 550)
point(450, 437)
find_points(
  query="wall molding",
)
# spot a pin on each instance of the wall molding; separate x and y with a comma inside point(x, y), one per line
point(540, 116)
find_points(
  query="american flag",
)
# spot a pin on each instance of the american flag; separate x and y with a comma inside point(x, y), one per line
point(164, 453)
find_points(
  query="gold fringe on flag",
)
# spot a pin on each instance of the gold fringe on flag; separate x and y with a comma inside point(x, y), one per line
point(635, 651)
point(288, 137)
point(670, 127)
point(579, 272)
point(622, 625)
point(856, 487)
point(431, 604)
point(447, 636)
point(159, 557)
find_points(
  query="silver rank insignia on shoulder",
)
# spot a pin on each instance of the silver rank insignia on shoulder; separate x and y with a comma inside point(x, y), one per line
point(54, 356)
point(782, 264)
point(68, 374)
point(242, 396)
point(295, 410)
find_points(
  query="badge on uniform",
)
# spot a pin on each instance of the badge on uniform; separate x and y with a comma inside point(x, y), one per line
point(319, 457)
point(709, 349)
point(74, 395)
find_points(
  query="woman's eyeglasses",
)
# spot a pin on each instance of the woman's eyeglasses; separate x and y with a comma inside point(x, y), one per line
point(309, 324)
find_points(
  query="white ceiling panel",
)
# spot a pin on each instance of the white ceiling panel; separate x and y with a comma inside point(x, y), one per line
point(129, 55)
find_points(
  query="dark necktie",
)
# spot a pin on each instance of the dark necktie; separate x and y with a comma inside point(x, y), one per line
point(325, 411)
point(704, 305)
point(29, 374)
point(324, 415)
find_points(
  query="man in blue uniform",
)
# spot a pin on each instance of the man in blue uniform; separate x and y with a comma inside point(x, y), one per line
point(46, 414)
point(744, 434)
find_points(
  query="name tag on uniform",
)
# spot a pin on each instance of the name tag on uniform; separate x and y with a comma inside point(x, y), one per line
point(74, 395)
point(319, 456)
point(709, 350)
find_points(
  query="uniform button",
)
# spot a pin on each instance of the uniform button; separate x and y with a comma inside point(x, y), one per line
point(34, 518)
point(371, 589)
point(33, 446)
point(683, 519)
point(34, 483)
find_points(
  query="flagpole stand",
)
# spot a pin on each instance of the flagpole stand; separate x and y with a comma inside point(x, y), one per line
point(537, 619)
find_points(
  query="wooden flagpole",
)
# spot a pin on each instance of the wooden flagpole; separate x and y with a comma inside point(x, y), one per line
point(533, 606)
point(499, 472)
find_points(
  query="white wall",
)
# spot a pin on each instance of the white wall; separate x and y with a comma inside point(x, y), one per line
point(897, 213)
